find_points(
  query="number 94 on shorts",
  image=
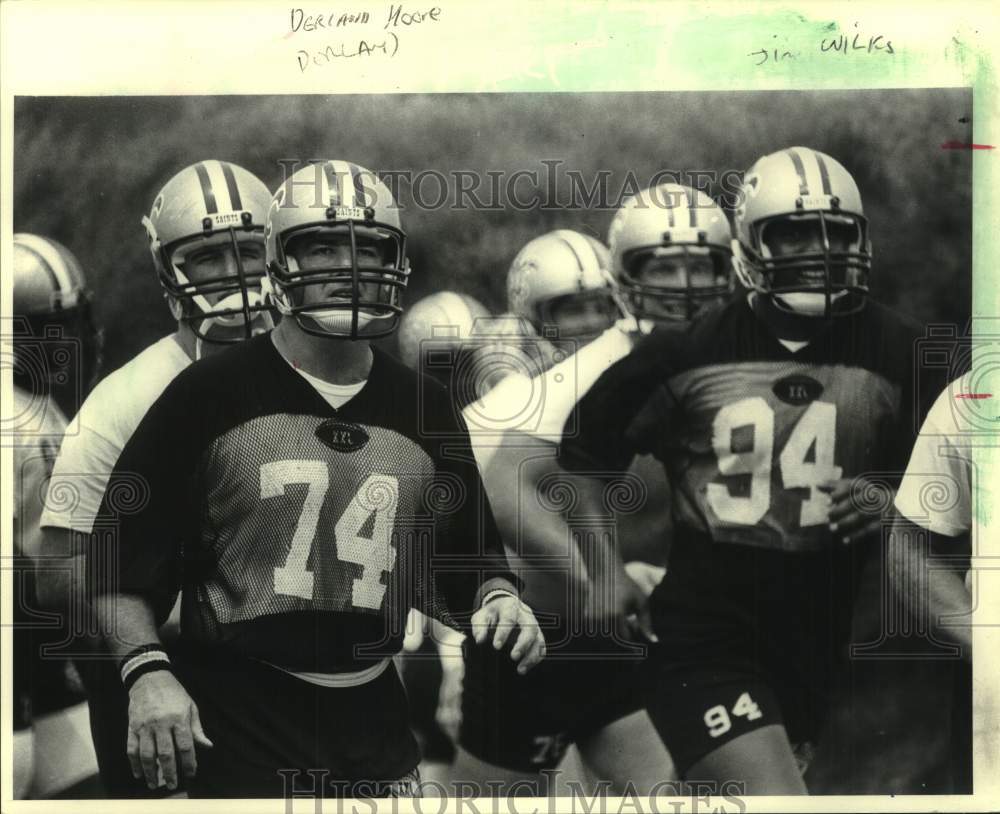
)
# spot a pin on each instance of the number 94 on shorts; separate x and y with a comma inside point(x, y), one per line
point(696, 714)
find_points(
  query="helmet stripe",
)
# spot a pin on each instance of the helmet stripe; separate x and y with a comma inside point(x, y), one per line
point(692, 207)
point(333, 182)
point(343, 172)
point(206, 189)
point(565, 236)
point(670, 210)
point(824, 175)
point(231, 186)
point(597, 257)
point(359, 187)
point(800, 170)
point(217, 180)
point(576, 256)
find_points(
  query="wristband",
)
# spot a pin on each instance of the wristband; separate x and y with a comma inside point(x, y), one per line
point(494, 594)
point(145, 659)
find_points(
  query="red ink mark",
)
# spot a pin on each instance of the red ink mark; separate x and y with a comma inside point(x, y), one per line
point(961, 145)
point(973, 395)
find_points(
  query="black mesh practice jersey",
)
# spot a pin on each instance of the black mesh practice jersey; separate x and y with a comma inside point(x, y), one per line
point(747, 429)
point(302, 534)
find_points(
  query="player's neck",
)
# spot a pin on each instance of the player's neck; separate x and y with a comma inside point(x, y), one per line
point(185, 337)
point(337, 361)
point(785, 325)
point(194, 346)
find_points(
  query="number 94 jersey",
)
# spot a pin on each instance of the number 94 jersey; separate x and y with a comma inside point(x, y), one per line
point(749, 429)
point(301, 533)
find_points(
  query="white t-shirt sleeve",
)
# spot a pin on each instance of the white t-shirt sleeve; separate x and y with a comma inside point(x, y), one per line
point(539, 406)
point(98, 434)
point(80, 477)
point(936, 491)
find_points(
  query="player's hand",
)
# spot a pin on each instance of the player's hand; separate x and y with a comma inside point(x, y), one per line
point(847, 521)
point(501, 615)
point(645, 575)
point(163, 728)
point(621, 604)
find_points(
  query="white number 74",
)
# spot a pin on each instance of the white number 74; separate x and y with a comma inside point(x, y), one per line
point(379, 494)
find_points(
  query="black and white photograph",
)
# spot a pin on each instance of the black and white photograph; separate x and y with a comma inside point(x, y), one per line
point(579, 449)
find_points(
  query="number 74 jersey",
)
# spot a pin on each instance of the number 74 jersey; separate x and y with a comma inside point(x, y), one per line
point(301, 534)
point(749, 430)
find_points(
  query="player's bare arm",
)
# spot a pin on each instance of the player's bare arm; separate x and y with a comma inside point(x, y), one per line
point(613, 596)
point(945, 594)
point(54, 581)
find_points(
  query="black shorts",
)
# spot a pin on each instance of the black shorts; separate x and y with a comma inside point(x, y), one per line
point(748, 638)
point(41, 683)
point(525, 723)
point(276, 735)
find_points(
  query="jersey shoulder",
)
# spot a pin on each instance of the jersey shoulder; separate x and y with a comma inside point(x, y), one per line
point(896, 333)
point(417, 404)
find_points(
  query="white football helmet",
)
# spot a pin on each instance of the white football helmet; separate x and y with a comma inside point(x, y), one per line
point(342, 212)
point(801, 234)
point(687, 235)
point(561, 283)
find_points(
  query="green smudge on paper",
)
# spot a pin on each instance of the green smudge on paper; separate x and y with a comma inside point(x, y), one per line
point(646, 49)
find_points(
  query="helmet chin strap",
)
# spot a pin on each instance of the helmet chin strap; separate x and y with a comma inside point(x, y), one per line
point(338, 319)
point(210, 318)
point(807, 302)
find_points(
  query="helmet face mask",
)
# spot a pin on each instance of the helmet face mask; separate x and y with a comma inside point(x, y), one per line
point(673, 283)
point(802, 237)
point(206, 234)
point(580, 317)
point(217, 285)
point(820, 254)
point(671, 248)
point(561, 284)
point(336, 265)
point(343, 279)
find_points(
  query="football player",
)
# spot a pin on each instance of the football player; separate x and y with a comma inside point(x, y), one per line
point(206, 237)
point(302, 496)
point(934, 522)
point(588, 694)
point(764, 413)
point(55, 350)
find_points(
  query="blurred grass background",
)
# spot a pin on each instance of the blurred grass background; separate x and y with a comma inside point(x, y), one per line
point(86, 169)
